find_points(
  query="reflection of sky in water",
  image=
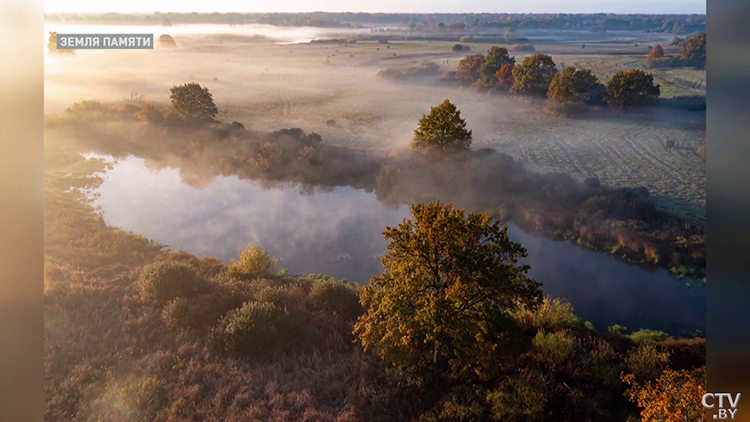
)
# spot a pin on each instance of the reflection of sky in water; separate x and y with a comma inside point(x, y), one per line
point(339, 233)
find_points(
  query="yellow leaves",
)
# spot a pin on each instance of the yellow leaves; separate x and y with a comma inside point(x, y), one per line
point(674, 397)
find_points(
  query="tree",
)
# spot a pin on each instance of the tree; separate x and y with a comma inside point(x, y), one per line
point(193, 102)
point(495, 59)
point(449, 284)
point(443, 130)
point(510, 35)
point(468, 68)
point(632, 87)
point(656, 53)
point(504, 76)
point(575, 86)
point(674, 397)
point(533, 75)
point(693, 51)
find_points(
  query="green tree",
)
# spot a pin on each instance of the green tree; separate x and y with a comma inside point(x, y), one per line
point(496, 58)
point(193, 102)
point(443, 130)
point(693, 51)
point(632, 87)
point(575, 86)
point(533, 75)
point(449, 287)
point(468, 68)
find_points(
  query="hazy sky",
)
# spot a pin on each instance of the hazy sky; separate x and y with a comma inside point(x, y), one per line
point(499, 6)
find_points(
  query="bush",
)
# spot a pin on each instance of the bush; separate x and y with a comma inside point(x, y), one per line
point(617, 329)
point(522, 47)
point(554, 314)
point(632, 87)
point(204, 310)
point(646, 361)
point(575, 86)
point(252, 261)
point(460, 47)
point(163, 281)
point(554, 348)
point(382, 41)
point(252, 329)
point(334, 297)
point(649, 335)
point(150, 114)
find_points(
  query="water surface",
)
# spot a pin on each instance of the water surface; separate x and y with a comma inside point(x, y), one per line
point(338, 232)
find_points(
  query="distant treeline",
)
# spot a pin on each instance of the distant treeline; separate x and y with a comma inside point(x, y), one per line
point(425, 22)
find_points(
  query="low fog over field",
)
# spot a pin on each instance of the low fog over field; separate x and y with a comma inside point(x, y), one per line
point(267, 84)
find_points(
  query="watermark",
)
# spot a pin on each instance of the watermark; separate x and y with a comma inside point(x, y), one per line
point(710, 401)
point(105, 41)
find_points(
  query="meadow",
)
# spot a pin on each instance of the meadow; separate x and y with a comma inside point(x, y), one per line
point(266, 86)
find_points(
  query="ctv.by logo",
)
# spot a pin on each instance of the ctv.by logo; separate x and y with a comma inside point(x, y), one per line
point(722, 412)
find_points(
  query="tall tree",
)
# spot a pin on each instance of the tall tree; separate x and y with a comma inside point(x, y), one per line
point(468, 68)
point(632, 87)
point(693, 51)
point(193, 102)
point(495, 59)
point(533, 75)
point(442, 131)
point(449, 283)
point(656, 53)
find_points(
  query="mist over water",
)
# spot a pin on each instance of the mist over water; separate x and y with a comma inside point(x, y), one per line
point(338, 232)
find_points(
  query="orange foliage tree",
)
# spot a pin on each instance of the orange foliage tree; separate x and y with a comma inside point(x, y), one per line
point(674, 397)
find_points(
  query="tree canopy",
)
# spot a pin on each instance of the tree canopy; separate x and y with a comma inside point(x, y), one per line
point(193, 102)
point(632, 87)
point(693, 50)
point(443, 130)
point(656, 53)
point(496, 58)
point(504, 76)
point(533, 75)
point(468, 67)
point(450, 282)
point(575, 86)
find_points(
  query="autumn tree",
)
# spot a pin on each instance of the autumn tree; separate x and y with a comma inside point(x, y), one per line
point(674, 397)
point(693, 51)
point(468, 68)
point(632, 87)
point(450, 282)
point(442, 131)
point(496, 58)
point(193, 102)
point(504, 76)
point(575, 86)
point(533, 75)
point(656, 53)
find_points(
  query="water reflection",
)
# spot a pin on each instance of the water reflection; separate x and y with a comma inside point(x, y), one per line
point(339, 233)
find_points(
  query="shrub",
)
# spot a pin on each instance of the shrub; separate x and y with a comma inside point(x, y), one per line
point(460, 47)
point(554, 348)
point(163, 281)
point(523, 47)
point(150, 114)
point(252, 261)
point(575, 86)
point(521, 398)
point(336, 297)
point(617, 329)
point(646, 361)
point(252, 329)
point(553, 314)
point(632, 87)
point(203, 310)
point(649, 335)
point(382, 41)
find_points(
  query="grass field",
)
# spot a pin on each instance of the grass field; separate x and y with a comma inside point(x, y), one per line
point(269, 86)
